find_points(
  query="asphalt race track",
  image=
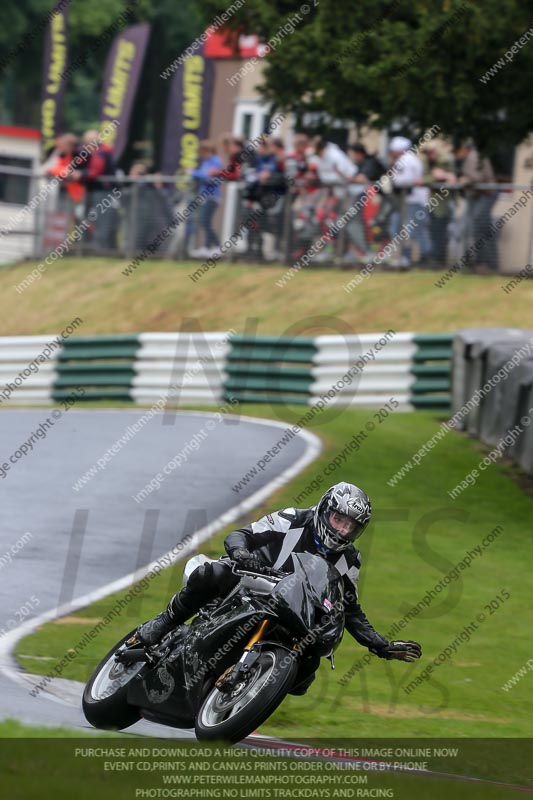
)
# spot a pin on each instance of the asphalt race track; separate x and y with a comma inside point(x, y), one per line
point(85, 543)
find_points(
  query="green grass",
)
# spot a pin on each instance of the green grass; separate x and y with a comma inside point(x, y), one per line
point(160, 295)
point(418, 533)
point(12, 729)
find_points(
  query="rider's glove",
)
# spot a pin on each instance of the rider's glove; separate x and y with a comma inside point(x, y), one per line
point(403, 651)
point(247, 560)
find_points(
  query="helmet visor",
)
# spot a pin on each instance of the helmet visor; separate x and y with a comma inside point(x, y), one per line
point(344, 526)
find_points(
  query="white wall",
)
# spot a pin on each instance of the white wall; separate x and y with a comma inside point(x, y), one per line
point(14, 247)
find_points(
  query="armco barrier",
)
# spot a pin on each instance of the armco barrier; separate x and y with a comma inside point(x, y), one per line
point(493, 389)
point(102, 365)
point(523, 450)
point(521, 402)
point(499, 408)
point(210, 368)
point(412, 368)
point(189, 367)
point(432, 385)
point(386, 375)
point(16, 354)
point(269, 369)
point(470, 347)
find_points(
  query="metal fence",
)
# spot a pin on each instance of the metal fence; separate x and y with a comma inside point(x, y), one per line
point(484, 228)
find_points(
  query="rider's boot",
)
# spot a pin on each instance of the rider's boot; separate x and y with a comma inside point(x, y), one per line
point(175, 614)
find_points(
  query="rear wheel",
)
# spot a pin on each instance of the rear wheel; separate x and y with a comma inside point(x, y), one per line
point(234, 715)
point(104, 697)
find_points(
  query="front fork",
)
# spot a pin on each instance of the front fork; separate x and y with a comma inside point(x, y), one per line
point(229, 679)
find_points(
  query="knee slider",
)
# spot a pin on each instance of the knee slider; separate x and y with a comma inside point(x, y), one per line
point(200, 575)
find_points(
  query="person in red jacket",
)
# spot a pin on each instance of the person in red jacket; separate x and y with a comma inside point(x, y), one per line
point(71, 190)
point(96, 173)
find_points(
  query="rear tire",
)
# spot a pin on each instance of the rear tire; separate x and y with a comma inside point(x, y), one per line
point(110, 712)
point(234, 718)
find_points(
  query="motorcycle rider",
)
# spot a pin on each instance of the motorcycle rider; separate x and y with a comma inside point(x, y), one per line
point(328, 529)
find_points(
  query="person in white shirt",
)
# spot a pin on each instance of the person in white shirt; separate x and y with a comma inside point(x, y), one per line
point(333, 165)
point(408, 183)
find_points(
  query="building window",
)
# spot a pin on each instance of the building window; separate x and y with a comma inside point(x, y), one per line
point(14, 188)
point(247, 126)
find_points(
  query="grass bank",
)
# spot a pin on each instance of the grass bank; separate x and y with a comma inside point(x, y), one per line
point(160, 296)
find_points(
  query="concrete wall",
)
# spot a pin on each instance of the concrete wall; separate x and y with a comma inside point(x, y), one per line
point(515, 242)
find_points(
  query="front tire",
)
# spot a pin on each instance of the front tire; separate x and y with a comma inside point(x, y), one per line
point(104, 697)
point(234, 717)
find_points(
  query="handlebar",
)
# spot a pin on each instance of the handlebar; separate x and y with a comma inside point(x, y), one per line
point(265, 571)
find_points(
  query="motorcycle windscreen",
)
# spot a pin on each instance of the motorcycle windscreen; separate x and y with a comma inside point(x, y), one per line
point(312, 591)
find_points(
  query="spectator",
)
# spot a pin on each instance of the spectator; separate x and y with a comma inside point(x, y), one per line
point(233, 147)
point(477, 169)
point(301, 166)
point(265, 167)
point(237, 157)
point(298, 166)
point(328, 170)
point(368, 167)
point(277, 182)
point(369, 170)
point(265, 163)
point(148, 210)
point(333, 165)
point(278, 148)
point(264, 194)
point(334, 170)
point(210, 192)
point(412, 194)
point(438, 169)
point(296, 161)
point(136, 207)
point(280, 183)
point(96, 174)
point(268, 181)
point(71, 191)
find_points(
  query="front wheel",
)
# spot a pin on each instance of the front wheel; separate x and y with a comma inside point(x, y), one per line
point(104, 697)
point(233, 716)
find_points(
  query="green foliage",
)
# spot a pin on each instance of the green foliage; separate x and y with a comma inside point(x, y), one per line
point(174, 27)
point(389, 62)
point(394, 62)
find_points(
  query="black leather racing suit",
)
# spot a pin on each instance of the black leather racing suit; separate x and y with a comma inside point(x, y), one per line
point(274, 537)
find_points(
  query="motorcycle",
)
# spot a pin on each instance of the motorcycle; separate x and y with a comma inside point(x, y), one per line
point(227, 671)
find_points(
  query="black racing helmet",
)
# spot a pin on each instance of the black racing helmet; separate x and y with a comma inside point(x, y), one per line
point(353, 510)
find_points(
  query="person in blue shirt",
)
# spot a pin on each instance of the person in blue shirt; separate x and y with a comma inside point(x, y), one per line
point(266, 162)
point(210, 192)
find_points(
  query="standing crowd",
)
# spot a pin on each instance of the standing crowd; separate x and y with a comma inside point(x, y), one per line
point(289, 198)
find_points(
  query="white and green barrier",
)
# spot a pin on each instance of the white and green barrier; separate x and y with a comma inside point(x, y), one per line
point(28, 369)
point(189, 367)
point(412, 368)
point(212, 368)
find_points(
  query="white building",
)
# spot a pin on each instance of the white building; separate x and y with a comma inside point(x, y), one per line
point(20, 150)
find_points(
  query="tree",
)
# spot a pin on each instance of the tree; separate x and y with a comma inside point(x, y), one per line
point(174, 26)
point(410, 63)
